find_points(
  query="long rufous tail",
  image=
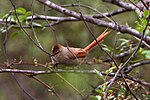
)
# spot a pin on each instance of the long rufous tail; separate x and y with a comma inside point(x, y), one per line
point(94, 43)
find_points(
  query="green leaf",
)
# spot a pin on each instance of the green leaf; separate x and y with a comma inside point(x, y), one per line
point(100, 92)
point(5, 16)
point(140, 26)
point(22, 18)
point(147, 53)
point(143, 21)
point(110, 91)
point(107, 48)
point(146, 13)
point(122, 90)
point(21, 11)
point(97, 97)
point(110, 70)
point(29, 13)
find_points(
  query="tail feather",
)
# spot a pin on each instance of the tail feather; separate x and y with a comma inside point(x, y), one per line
point(99, 39)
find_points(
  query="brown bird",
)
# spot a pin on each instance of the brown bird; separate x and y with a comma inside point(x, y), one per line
point(71, 55)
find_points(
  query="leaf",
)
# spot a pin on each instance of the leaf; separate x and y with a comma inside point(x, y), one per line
point(140, 26)
point(29, 13)
point(146, 53)
point(146, 13)
point(22, 18)
point(100, 92)
point(104, 86)
point(21, 11)
point(35, 61)
point(5, 16)
point(97, 97)
point(110, 91)
point(143, 21)
point(110, 70)
point(122, 90)
point(107, 48)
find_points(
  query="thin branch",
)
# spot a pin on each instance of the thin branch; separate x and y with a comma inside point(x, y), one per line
point(122, 55)
point(19, 84)
point(122, 4)
point(144, 4)
point(136, 5)
point(119, 70)
point(7, 59)
point(131, 67)
point(27, 32)
point(122, 28)
point(35, 35)
point(41, 72)
point(110, 14)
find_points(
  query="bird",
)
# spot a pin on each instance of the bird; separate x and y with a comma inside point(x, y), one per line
point(71, 55)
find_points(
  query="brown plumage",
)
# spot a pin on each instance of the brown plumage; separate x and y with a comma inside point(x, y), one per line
point(71, 55)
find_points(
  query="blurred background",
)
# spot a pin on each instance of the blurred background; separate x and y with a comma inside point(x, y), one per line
point(72, 33)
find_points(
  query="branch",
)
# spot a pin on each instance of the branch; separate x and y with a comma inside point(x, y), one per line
point(52, 18)
point(131, 67)
point(125, 5)
point(98, 22)
point(109, 14)
point(122, 55)
point(124, 64)
point(40, 72)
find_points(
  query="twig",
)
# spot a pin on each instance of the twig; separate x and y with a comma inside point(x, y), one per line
point(47, 86)
point(31, 40)
point(123, 29)
point(131, 67)
point(122, 4)
point(27, 32)
point(41, 72)
point(5, 52)
point(38, 42)
point(109, 14)
point(119, 70)
point(121, 55)
point(144, 4)
point(136, 5)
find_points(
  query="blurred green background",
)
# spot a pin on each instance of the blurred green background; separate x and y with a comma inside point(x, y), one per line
point(72, 33)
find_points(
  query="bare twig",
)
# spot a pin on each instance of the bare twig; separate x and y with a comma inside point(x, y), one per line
point(144, 4)
point(109, 14)
point(123, 4)
point(131, 67)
